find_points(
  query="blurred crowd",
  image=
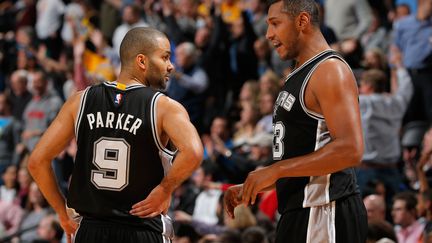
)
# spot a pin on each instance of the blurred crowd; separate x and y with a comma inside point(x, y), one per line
point(227, 76)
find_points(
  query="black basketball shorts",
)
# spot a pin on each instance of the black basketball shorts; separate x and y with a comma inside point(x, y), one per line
point(106, 232)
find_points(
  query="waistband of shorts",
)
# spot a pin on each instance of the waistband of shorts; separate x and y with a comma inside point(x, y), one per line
point(113, 223)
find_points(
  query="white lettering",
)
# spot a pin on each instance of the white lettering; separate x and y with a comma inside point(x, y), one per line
point(135, 126)
point(99, 121)
point(126, 123)
point(110, 119)
point(119, 121)
point(283, 97)
point(91, 120)
point(289, 102)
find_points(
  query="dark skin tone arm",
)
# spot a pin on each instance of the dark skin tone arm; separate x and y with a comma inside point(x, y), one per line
point(335, 96)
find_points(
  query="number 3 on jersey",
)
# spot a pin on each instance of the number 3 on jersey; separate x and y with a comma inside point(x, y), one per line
point(278, 146)
point(111, 157)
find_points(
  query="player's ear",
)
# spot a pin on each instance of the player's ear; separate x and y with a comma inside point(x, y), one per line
point(303, 20)
point(141, 61)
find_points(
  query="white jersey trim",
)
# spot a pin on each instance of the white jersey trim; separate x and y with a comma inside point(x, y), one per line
point(306, 63)
point(167, 228)
point(310, 113)
point(80, 111)
point(165, 154)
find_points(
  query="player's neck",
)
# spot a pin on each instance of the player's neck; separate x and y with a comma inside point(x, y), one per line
point(128, 79)
point(311, 48)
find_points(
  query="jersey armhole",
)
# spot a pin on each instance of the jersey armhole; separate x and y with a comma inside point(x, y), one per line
point(311, 113)
point(80, 111)
point(153, 120)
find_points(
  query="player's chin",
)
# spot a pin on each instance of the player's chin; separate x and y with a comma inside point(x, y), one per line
point(283, 54)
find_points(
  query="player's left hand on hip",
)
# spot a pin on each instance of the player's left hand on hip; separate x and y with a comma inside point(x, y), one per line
point(156, 203)
point(255, 182)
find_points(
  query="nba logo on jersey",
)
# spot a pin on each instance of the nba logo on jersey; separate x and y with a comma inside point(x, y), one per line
point(118, 99)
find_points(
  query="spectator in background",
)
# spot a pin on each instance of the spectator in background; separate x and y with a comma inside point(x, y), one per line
point(220, 132)
point(404, 213)
point(412, 5)
point(375, 207)
point(231, 10)
point(24, 181)
point(328, 33)
point(49, 230)
point(10, 130)
point(212, 41)
point(245, 127)
point(8, 190)
point(19, 94)
point(10, 217)
point(376, 35)
point(131, 16)
point(36, 209)
point(48, 24)
point(40, 111)
point(189, 82)
point(254, 234)
point(402, 10)
point(381, 232)
point(25, 14)
point(248, 94)
point(424, 205)
point(375, 59)
point(412, 37)
point(381, 116)
point(269, 82)
point(181, 19)
point(266, 104)
point(349, 20)
point(258, 12)
point(243, 61)
point(263, 52)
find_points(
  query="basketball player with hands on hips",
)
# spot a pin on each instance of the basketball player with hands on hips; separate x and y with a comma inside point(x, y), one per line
point(317, 137)
point(124, 173)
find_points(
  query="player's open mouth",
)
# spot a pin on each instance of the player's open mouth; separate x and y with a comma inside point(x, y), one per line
point(277, 44)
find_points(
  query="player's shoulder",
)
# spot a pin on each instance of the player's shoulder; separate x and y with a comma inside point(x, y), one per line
point(168, 104)
point(333, 68)
point(331, 75)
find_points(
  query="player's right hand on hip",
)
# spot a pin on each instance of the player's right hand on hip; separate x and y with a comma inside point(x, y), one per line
point(156, 203)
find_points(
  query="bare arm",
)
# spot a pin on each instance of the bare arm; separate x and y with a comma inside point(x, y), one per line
point(53, 141)
point(177, 126)
point(173, 124)
point(335, 95)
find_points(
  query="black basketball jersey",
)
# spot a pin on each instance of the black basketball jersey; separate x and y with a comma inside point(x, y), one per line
point(299, 131)
point(120, 158)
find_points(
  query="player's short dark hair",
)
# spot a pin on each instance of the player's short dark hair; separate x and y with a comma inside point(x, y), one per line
point(139, 40)
point(295, 7)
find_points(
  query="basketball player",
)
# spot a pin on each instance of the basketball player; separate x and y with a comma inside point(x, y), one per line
point(123, 177)
point(317, 136)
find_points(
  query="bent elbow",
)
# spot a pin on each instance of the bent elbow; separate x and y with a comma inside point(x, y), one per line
point(33, 163)
point(355, 153)
point(197, 154)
